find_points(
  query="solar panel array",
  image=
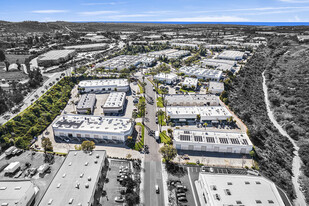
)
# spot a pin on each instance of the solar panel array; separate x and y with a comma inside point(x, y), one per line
point(198, 138)
point(223, 140)
point(184, 137)
point(235, 141)
point(245, 142)
point(210, 139)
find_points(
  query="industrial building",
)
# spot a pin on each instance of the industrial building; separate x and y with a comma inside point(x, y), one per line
point(166, 78)
point(192, 100)
point(231, 55)
point(55, 57)
point(185, 45)
point(201, 73)
point(115, 103)
point(209, 141)
point(78, 181)
point(104, 85)
point(222, 189)
point(219, 64)
point(17, 192)
point(207, 113)
point(216, 87)
point(190, 82)
point(85, 127)
point(86, 104)
point(169, 53)
point(87, 47)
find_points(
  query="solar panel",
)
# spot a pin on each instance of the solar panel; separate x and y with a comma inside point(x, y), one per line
point(184, 137)
point(198, 138)
point(210, 139)
point(223, 140)
point(186, 132)
point(235, 141)
point(245, 142)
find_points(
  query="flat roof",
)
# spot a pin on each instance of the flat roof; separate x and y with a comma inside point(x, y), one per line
point(104, 82)
point(216, 85)
point(55, 54)
point(212, 137)
point(12, 191)
point(190, 80)
point(203, 110)
point(191, 98)
point(240, 190)
point(93, 123)
point(85, 46)
point(76, 169)
point(86, 101)
point(115, 100)
point(231, 54)
point(198, 71)
point(166, 76)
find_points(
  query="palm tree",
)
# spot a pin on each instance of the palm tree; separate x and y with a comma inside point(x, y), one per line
point(205, 125)
point(160, 113)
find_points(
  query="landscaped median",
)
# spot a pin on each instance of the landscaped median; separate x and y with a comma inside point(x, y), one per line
point(160, 102)
point(164, 138)
point(141, 90)
point(139, 144)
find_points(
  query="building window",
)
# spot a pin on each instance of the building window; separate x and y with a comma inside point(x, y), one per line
point(96, 136)
point(78, 135)
point(238, 202)
point(270, 202)
point(114, 138)
point(87, 135)
point(258, 201)
point(105, 137)
point(258, 183)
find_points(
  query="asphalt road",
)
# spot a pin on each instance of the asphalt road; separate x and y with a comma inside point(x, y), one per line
point(153, 170)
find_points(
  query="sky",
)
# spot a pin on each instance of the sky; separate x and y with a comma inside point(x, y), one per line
point(156, 10)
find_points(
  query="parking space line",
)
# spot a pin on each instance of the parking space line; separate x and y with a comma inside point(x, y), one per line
point(193, 192)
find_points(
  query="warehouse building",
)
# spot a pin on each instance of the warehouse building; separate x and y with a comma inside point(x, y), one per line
point(115, 103)
point(189, 114)
point(78, 181)
point(192, 100)
point(87, 47)
point(201, 73)
point(169, 53)
point(219, 64)
point(216, 87)
point(231, 55)
point(166, 78)
point(222, 189)
point(86, 104)
point(208, 141)
point(17, 192)
point(85, 127)
point(55, 57)
point(104, 85)
point(120, 62)
point(190, 82)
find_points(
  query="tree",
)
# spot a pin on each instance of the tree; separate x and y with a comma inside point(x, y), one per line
point(88, 145)
point(198, 117)
point(2, 55)
point(47, 145)
point(160, 114)
point(205, 125)
point(168, 152)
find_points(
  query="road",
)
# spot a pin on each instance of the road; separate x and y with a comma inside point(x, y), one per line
point(152, 163)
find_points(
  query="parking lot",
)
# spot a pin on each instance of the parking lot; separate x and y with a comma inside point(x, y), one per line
point(113, 187)
point(35, 160)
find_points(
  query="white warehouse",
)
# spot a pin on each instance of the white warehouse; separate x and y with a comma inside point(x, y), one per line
point(167, 78)
point(190, 82)
point(209, 141)
point(93, 127)
point(207, 113)
point(231, 55)
point(104, 85)
point(115, 103)
point(201, 73)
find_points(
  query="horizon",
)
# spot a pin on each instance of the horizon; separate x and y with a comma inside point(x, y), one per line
point(158, 11)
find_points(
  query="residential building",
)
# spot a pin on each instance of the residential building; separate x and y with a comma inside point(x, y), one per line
point(17, 192)
point(216, 87)
point(223, 189)
point(55, 57)
point(210, 141)
point(201, 73)
point(231, 55)
point(86, 104)
point(104, 85)
point(78, 180)
point(85, 127)
point(207, 113)
point(114, 103)
point(192, 100)
point(190, 82)
point(166, 78)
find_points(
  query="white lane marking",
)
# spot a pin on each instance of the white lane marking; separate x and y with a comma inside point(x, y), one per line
point(193, 192)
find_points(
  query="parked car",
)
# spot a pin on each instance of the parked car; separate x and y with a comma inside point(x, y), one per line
point(182, 199)
point(181, 195)
point(157, 189)
point(119, 199)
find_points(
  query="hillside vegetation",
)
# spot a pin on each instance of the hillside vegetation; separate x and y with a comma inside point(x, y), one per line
point(246, 98)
